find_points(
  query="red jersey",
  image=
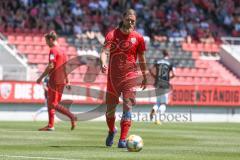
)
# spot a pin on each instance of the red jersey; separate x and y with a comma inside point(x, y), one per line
point(58, 57)
point(123, 53)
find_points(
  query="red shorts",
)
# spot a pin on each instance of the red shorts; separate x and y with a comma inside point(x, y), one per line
point(55, 94)
point(115, 88)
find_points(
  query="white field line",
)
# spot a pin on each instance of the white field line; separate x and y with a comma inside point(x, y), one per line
point(29, 157)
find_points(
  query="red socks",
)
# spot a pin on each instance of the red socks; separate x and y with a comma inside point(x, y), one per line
point(111, 123)
point(126, 122)
point(51, 114)
point(65, 111)
point(125, 126)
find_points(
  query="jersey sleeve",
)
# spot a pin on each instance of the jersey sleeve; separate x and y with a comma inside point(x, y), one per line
point(108, 40)
point(52, 56)
point(141, 46)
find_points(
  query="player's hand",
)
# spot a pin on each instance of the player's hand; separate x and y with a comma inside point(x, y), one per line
point(39, 80)
point(104, 68)
point(144, 83)
point(68, 86)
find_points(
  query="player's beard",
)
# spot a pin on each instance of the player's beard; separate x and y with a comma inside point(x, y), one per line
point(128, 28)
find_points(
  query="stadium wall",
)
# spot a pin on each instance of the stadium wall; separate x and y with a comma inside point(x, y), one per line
point(90, 93)
point(181, 114)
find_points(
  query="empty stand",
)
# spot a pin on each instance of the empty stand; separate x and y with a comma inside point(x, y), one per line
point(186, 57)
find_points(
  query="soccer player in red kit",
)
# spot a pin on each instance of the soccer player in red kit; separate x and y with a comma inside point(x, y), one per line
point(124, 46)
point(57, 81)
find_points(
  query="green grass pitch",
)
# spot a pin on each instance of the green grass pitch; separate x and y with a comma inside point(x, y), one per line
point(170, 141)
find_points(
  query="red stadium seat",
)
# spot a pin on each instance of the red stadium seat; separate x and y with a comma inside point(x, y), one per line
point(211, 80)
point(36, 40)
point(63, 48)
point(197, 80)
point(71, 50)
point(28, 40)
point(19, 39)
point(207, 47)
point(101, 78)
point(200, 47)
point(194, 72)
point(192, 47)
point(215, 48)
point(41, 67)
point(184, 46)
point(39, 57)
point(29, 49)
point(204, 80)
point(11, 39)
point(62, 41)
point(195, 54)
point(45, 58)
point(31, 58)
point(45, 49)
point(42, 41)
point(21, 48)
point(189, 79)
point(38, 49)
point(189, 46)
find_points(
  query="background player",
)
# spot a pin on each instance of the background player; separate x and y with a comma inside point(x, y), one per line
point(162, 72)
point(124, 45)
point(56, 71)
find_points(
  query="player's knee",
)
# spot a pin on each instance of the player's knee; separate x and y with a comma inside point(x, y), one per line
point(51, 106)
point(129, 101)
point(110, 111)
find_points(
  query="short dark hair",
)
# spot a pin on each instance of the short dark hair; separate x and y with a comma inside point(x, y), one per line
point(51, 35)
point(165, 53)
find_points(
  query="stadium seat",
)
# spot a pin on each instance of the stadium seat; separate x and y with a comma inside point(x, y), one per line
point(38, 49)
point(19, 39)
point(193, 69)
point(62, 41)
point(29, 49)
point(195, 54)
point(200, 47)
point(21, 48)
point(197, 80)
point(11, 39)
point(45, 49)
point(28, 39)
point(71, 51)
point(31, 58)
point(40, 57)
point(41, 67)
point(36, 40)
point(215, 48)
point(207, 47)
point(189, 79)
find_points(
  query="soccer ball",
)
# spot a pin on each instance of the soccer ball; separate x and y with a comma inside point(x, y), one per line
point(134, 143)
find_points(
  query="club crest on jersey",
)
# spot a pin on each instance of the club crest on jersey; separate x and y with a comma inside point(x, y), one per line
point(133, 40)
point(52, 57)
